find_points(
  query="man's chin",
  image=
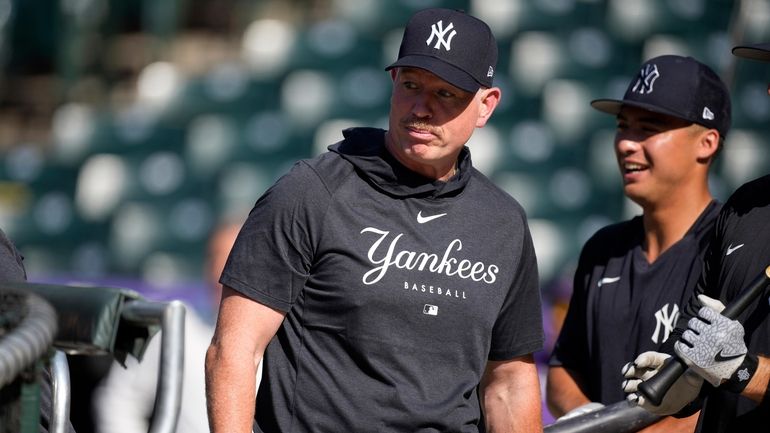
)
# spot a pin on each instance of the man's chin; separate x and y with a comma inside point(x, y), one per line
point(636, 195)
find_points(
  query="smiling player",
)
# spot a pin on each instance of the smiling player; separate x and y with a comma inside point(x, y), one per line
point(634, 276)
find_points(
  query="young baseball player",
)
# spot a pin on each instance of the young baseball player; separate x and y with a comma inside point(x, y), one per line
point(731, 355)
point(633, 277)
point(390, 285)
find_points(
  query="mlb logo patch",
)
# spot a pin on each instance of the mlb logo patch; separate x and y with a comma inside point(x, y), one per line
point(431, 310)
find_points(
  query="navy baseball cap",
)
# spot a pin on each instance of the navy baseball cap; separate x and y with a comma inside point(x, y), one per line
point(755, 51)
point(457, 47)
point(677, 86)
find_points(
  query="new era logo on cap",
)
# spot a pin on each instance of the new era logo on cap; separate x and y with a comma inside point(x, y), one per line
point(677, 86)
point(457, 47)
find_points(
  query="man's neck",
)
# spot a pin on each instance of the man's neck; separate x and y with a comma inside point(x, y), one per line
point(666, 225)
point(442, 171)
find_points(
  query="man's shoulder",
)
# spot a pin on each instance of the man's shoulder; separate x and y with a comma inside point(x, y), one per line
point(329, 168)
point(753, 191)
point(614, 240)
point(750, 200)
point(494, 195)
point(622, 234)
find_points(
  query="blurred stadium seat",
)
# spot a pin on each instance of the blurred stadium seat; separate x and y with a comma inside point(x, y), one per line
point(128, 128)
point(158, 126)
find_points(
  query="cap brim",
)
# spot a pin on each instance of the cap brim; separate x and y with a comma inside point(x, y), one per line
point(755, 52)
point(447, 72)
point(613, 106)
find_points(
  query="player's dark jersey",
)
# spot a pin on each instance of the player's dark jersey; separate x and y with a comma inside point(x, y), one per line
point(739, 252)
point(622, 305)
point(398, 289)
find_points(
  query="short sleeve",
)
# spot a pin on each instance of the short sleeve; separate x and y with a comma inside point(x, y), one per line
point(518, 329)
point(272, 255)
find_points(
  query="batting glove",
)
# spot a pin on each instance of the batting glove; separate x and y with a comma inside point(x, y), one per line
point(646, 365)
point(712, 345)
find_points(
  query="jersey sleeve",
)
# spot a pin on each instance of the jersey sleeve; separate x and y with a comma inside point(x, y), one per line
point(518, 329)
point(272, 255)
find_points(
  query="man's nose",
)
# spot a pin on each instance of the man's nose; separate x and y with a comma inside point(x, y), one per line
point(421, 106)
point(625, 144)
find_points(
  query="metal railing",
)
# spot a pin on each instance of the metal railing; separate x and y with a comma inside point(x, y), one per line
point(170, 316)
point(60, 385)
point(32, 338)
point(168, 400)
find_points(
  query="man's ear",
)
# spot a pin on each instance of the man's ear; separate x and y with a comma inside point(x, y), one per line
point(489, 98)
point(708, 145)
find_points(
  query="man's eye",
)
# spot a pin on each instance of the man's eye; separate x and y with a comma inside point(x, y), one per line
point(410, 85)
point(445, 93)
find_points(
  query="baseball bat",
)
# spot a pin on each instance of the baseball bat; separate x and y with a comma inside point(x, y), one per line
point(620, 417)
point(657, 386)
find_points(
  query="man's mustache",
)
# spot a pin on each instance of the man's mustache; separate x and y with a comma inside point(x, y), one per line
point(419, 125)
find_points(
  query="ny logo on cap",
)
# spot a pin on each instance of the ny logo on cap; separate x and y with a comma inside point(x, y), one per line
point(647, 77)
point(440, 33)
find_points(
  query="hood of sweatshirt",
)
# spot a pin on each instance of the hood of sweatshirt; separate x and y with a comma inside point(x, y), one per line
point(365, 149)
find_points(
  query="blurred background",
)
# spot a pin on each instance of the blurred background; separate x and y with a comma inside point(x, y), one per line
point(130, 128)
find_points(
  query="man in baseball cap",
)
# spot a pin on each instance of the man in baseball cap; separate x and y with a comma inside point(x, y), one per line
point(370, 280)
point(731, 355)
point(633, 277)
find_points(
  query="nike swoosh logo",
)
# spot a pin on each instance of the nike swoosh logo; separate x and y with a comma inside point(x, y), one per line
point(607, 280)
point(732, 249)
point(721, 358)
point(424, 219)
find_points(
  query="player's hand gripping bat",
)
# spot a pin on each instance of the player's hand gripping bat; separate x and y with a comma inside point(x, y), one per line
point(656, 387)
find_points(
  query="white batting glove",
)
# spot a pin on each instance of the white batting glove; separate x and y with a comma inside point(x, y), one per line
point(712, 345)
point(646, 365)
point(581, 410)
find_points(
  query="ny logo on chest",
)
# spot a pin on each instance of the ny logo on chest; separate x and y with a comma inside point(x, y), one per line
point(665, 321)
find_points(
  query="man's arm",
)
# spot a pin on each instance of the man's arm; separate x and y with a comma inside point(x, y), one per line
point(244, 328)
point(510, 396)
point(562, 391)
